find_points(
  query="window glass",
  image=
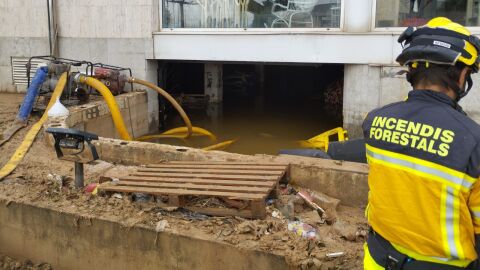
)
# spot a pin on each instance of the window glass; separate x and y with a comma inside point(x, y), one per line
point(401, 13)
point(251, 13)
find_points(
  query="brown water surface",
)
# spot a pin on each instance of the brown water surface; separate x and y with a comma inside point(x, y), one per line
point(258, 130)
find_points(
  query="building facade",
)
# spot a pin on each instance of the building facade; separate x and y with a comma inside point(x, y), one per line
point(361, 35)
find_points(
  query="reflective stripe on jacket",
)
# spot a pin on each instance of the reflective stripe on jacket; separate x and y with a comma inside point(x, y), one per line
point(424, 162)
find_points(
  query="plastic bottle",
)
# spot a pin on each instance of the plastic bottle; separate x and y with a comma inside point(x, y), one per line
point(302, 229)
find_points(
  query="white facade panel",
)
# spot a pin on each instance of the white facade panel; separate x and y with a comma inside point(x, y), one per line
point(278, 48)
point(358, 16)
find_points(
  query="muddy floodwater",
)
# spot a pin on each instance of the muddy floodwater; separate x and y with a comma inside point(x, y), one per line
point(265, 107)
point(258, 129)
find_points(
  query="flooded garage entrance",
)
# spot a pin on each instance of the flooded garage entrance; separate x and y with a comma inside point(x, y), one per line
point(265, 108)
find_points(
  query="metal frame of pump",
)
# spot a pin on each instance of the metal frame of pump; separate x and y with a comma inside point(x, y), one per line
point(110, 67)
point(56, 67)
point(75, 95)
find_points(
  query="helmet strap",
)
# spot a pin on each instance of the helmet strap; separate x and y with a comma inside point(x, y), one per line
point(409, 77)
point(466, 87)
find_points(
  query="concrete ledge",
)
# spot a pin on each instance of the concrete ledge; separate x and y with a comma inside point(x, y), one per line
point(346, 181)
point(68, 241)
point(95, 116)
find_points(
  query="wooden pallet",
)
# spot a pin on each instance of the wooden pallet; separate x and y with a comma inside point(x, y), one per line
point(248, 182)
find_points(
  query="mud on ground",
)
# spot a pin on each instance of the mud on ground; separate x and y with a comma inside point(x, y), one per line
point(34, 181)
point(8, 263)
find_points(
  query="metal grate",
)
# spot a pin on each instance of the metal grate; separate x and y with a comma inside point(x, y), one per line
point(19, 69)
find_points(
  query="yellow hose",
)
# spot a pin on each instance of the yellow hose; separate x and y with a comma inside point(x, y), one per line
point(196, 130)
point(160, 136)
point(219, 146)
point(172, 101)
point(179, 133)
point(27, 142)
point(111, 103)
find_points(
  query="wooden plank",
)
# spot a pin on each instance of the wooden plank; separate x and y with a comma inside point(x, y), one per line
point(227, 163)
point(268, 183)
point(258, 209)
point(220, 211)
point(195, 186)
point(167, 191)
point(205, 166)
point(209, 176)
point(212, 171)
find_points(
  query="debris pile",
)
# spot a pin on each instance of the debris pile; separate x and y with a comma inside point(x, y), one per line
point(308, 237)
point(302, 225)
point(333, 98)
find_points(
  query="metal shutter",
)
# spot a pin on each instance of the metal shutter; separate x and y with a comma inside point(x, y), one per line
point(19, 69)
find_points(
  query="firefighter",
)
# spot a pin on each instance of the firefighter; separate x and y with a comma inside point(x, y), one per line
point(424, 157)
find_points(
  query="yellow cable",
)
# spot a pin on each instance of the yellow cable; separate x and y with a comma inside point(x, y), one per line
point(22, 150)
point(111, 103)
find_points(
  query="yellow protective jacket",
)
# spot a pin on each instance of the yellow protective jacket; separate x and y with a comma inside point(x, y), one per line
point(424, 157)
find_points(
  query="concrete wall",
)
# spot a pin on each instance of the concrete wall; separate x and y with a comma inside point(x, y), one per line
point(69, 241)
point(95, 117)
point(472, 100)
point(113, 32)
point(367, 87)
point(23, 32)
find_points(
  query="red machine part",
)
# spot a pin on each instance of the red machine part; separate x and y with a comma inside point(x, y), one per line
point(112, 79)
